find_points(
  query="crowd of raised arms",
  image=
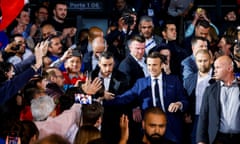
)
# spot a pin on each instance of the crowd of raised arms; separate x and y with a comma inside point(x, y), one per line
point(162, 73)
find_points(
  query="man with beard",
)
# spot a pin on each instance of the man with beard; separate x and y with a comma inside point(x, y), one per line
point(61, 25)
point(154, 125)
point(195, 85)
point(188, 64)
point(114, 81)
point(41, 15)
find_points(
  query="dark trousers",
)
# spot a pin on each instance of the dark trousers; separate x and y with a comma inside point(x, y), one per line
point(194, 130)
point(223, 138)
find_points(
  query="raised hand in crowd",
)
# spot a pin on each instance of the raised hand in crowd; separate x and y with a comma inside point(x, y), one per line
point(40, 50)
point(124, 129)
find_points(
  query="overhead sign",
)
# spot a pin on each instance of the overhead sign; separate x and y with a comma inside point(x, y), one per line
point(86, 6)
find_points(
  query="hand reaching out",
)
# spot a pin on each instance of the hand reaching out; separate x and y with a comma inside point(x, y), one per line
point(91, 87)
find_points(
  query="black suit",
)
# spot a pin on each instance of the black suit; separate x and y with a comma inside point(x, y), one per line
point(110, 126)
point(132, 69)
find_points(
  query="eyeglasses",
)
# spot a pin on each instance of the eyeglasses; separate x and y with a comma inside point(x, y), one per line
point(60, 76)
point(43, 13)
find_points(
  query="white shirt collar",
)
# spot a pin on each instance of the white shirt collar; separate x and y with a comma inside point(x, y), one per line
point(158, 77)
point(101, 76)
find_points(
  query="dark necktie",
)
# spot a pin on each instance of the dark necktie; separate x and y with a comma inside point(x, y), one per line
point(102, 79)
point(157, 94)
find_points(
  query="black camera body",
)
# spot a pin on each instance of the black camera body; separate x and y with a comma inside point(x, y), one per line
point(17, 47)
point(128, 19)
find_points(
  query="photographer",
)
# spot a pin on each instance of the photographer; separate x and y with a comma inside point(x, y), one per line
point(16, 50)
point(118, 37)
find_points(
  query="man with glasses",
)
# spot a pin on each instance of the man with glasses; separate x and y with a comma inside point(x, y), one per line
point(56, 83)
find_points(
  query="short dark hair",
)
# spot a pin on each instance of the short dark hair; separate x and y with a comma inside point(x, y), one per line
point(156, 54)
point(196, 38)
point(4, 68)
point(203, 23)
point(164, 27)
point(136, 37)
point(41, 6)
point(12, 37)
point(153, 110)
point(106, 55)
point(59, 2)
point(50, 39)
point(53, 139)
point(91, 113)
point(25, 129)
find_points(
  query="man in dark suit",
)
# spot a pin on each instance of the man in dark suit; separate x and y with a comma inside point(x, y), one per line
point(134, 64)
point(164, 91)
point(134, 67)
point(114, 81)
point(220, 112)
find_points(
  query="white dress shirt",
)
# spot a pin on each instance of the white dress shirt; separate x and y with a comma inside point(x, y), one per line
point(153, 82)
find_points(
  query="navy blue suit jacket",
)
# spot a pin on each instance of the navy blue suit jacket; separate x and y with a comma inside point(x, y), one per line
point(189, 66)
point(172, 92)
point(87, 62)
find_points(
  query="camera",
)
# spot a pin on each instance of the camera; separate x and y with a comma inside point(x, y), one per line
point(128, 19)
point(17, 47)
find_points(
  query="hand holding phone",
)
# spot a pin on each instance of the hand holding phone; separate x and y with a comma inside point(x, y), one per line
point(83, 98)
point(12, 138)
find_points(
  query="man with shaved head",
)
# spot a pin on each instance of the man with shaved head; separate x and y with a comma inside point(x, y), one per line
point(93, 32)
point(220, 112)
point(90, 59)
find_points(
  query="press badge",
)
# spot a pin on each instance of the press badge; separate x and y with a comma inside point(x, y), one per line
point(150, 12)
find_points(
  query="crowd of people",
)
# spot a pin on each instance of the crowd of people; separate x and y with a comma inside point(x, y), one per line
point(158, 75)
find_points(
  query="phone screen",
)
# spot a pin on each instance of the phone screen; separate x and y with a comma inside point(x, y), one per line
point(83, 99)
point(12, 138)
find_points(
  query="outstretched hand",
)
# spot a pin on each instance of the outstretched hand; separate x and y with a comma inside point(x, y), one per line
point(91, 87)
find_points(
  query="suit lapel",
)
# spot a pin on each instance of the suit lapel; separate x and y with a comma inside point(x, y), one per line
point(149, 83)
point(217, 94)
point(112, 83)
point(164, 86)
